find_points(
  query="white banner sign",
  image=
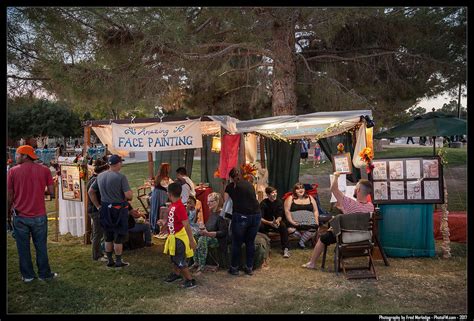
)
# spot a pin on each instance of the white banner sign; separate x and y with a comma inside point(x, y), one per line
point(158, 137)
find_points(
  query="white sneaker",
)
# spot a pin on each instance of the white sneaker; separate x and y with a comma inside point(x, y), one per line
point(27, 280)
point(286, 253)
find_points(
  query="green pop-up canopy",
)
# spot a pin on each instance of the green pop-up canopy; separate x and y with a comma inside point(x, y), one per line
point(430, 124)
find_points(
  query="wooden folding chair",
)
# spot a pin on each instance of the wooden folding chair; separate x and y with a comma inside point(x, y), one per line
point(352, 243)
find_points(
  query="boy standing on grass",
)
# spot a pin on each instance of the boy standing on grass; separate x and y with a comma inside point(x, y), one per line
point(180, 242)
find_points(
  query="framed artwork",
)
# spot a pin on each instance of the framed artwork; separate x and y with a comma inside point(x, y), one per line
point(396, 169)
point(431, 189)
point(380, 170)
point(401, 180)
point(71, 186)
point(397, 190)
point(342, 163)
point(413, 169)
point(430, 168)
point(380, 191)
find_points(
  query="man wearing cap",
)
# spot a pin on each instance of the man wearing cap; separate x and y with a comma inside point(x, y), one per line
point(115, 193)
point(26, 185)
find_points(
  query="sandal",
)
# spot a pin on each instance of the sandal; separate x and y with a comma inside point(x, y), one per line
point(308, 266)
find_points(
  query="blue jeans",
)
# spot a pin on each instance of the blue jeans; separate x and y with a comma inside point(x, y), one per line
point(244, 230)
point(37, 228)
point(145, 228)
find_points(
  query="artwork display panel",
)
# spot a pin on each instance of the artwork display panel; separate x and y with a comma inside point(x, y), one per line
point(70, 183)
point(400, 180)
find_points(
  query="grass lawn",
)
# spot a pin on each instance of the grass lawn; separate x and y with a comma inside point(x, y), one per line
point(408, 286)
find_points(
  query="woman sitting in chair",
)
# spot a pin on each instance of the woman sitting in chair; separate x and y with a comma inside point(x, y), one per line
point(301, 214)
point(212, 234)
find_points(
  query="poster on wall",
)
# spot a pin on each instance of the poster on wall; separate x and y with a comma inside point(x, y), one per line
point(407, 180)
point(71, 183)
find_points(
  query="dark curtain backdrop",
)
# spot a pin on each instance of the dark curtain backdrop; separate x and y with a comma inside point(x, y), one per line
point(329, 147)
point(283, 164)
point(209, 163)
point(176, 158)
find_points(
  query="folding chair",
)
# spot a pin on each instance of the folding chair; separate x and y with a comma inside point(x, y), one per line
point(355, 240)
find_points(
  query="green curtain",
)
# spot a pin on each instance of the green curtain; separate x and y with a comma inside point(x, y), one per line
point(329, 147)
point(407, 230)
point(283, 164)
point(176, 158)
point(209, 163)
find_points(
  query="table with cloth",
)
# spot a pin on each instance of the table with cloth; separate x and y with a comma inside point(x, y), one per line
point(201, 194)
point(407, 230)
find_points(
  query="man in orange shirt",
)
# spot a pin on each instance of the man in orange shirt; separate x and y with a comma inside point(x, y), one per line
point(26, 185)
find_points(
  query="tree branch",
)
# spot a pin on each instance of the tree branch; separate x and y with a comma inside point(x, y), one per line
point(198, 29)
point(27, 78)
point(228, 49)
point(246, 69)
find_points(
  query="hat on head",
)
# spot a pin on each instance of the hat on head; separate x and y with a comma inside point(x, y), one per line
point(100, 166)
point(27, 150)
point(115, 159)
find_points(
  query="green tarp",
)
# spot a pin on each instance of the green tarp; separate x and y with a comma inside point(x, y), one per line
point(283, 163)
point(406, 230)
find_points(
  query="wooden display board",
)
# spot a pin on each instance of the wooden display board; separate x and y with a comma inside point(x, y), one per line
point(71, 183)
point(402, 180)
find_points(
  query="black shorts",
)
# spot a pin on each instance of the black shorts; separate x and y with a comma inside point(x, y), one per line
point(304, 155)
point(179, 257)
point(328, 238)
point(114, 237)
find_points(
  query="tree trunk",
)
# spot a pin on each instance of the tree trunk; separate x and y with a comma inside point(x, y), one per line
point(284, 68)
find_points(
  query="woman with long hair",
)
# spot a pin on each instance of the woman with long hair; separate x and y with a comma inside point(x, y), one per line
point(246, 218)
point(300, 201)
point(159, 195)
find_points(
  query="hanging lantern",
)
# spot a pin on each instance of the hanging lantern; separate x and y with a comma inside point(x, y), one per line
point(216, 144)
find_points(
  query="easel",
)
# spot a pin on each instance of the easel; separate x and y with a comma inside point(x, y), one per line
point(375, 236)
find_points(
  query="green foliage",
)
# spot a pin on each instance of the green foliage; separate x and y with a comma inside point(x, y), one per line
point(210, 60)
point(41, 118)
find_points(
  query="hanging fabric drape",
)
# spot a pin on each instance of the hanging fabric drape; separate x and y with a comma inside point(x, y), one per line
point(229, 154)
point(176, 158)
point(329, 147)
point(359, 146)
point(250, 148)
point(283, 163)
point(209, 163)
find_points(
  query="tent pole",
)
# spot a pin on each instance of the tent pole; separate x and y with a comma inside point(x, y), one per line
point(434, 145)
point(262, 151)
point(87, 219)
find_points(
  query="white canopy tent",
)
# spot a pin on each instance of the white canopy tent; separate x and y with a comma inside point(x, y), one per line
point(315, 125)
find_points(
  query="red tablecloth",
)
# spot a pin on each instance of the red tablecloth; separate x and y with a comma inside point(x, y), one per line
point(457, 222)
point(201, 194)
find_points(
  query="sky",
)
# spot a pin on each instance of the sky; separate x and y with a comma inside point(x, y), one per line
point(438, 102)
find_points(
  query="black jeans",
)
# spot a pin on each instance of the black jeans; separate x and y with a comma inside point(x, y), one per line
point(282, 229)
point(244, 230)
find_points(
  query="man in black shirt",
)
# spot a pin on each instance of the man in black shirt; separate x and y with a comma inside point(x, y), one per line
point(272, 218)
